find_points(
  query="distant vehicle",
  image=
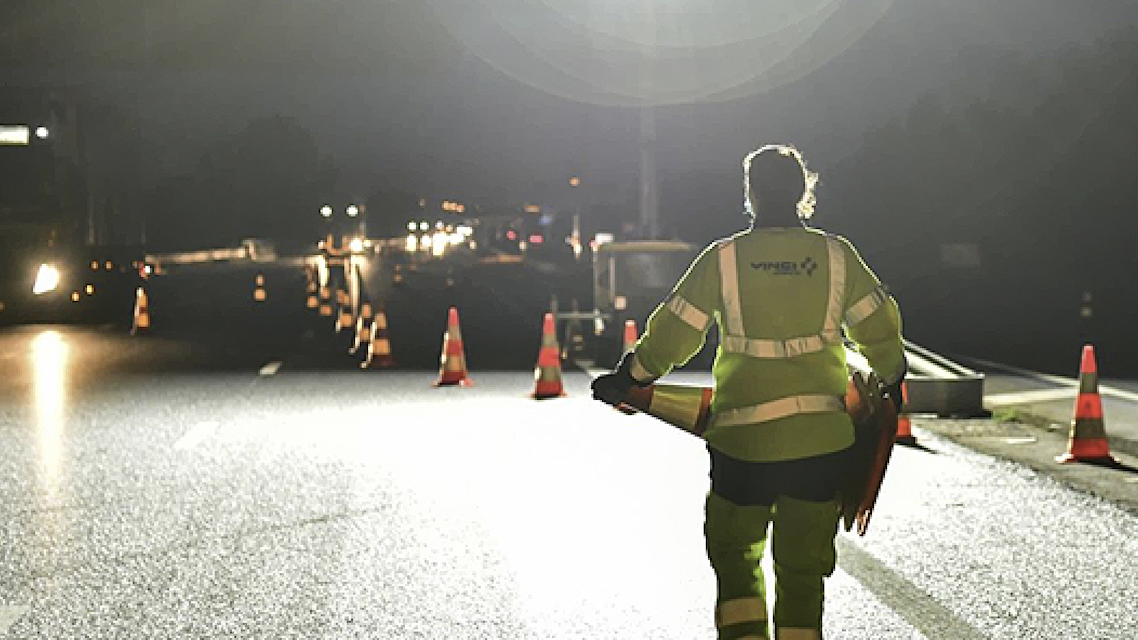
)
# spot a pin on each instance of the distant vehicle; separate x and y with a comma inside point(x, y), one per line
point(48, 273)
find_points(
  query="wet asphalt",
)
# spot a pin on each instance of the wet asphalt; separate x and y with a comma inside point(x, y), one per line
point(173, 487)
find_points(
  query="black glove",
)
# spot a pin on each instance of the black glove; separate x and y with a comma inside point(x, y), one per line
point(612, 388)
point(895, 393)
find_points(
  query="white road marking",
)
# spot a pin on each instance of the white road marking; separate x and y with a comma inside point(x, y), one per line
point(271, 368)
point(196, 435)
point(1023, 440)
point(918, 608)
point(1060, 380)
point(9, 616)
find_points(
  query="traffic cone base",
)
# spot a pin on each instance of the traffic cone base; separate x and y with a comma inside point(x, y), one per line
point(1087, 442)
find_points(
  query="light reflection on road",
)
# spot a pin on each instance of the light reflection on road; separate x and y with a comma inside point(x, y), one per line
point(49, 363)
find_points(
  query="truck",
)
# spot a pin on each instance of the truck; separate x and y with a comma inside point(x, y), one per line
point(50, 269)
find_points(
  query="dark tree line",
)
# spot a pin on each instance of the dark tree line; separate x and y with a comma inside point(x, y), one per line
point(267, 181)
point(1001, 221)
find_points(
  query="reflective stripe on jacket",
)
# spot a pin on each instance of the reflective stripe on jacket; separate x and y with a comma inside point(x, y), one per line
point(781, 298)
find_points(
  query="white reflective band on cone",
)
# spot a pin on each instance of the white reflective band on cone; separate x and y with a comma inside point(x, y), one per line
point(740, 610)
point(797, 634)
point(775, 409)
point(687, 312)
point(865, 307)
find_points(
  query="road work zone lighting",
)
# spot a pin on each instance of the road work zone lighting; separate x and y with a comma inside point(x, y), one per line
point(423, 226)
point(353, 211)
point(356, 245)
point(47, 279)
point(533, 208)
point(15, 135)
point(412, 243)
point(326, 211)
point(411, 226)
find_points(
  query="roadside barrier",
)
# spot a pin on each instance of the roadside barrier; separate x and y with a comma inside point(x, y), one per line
point(141, 323)
point(547, 373)
point(452, 365)
point(259, 293)
point(1087, 441)
point(378, 345)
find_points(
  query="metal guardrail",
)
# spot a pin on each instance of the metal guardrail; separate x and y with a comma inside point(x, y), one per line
point(936, 384)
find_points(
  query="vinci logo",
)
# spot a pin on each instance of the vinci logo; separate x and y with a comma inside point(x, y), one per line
point(787, 267)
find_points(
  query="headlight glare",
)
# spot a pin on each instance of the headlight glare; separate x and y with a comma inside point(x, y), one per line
point(47, 279)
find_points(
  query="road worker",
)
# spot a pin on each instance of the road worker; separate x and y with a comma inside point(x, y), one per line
point(783, 295)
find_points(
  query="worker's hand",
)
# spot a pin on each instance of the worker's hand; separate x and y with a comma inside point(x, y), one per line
point(611, 388)
point(894, 394)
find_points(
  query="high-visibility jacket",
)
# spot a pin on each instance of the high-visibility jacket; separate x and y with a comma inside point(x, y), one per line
point(781, 298)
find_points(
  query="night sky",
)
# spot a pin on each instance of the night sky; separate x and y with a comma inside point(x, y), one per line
point(486, 99)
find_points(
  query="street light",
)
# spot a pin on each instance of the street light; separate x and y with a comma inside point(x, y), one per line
point(353, 211)
point(326, 211)
point(574, 181)
point(41, 132)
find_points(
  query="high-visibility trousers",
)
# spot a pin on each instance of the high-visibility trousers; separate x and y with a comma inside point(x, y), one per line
point(802, 539)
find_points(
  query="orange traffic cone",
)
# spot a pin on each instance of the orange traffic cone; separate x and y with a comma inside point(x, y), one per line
point(547, 373)
point(325, 302)
point(345, 319)
point(686, 407)
point(378, 346)
point(259, 293)
point(1088, 432)
point(141, 323)
point(312, 301)
point(904, 426)
point(630, 336)
point(363, 328)
point(452, 364)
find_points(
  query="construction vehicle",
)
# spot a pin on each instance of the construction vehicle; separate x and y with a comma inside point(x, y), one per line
point(629, 279)
point(51, 269)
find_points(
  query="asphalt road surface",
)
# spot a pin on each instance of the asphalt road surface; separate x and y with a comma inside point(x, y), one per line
point(258, 484)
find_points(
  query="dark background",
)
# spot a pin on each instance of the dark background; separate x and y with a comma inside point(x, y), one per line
point(978, 153)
